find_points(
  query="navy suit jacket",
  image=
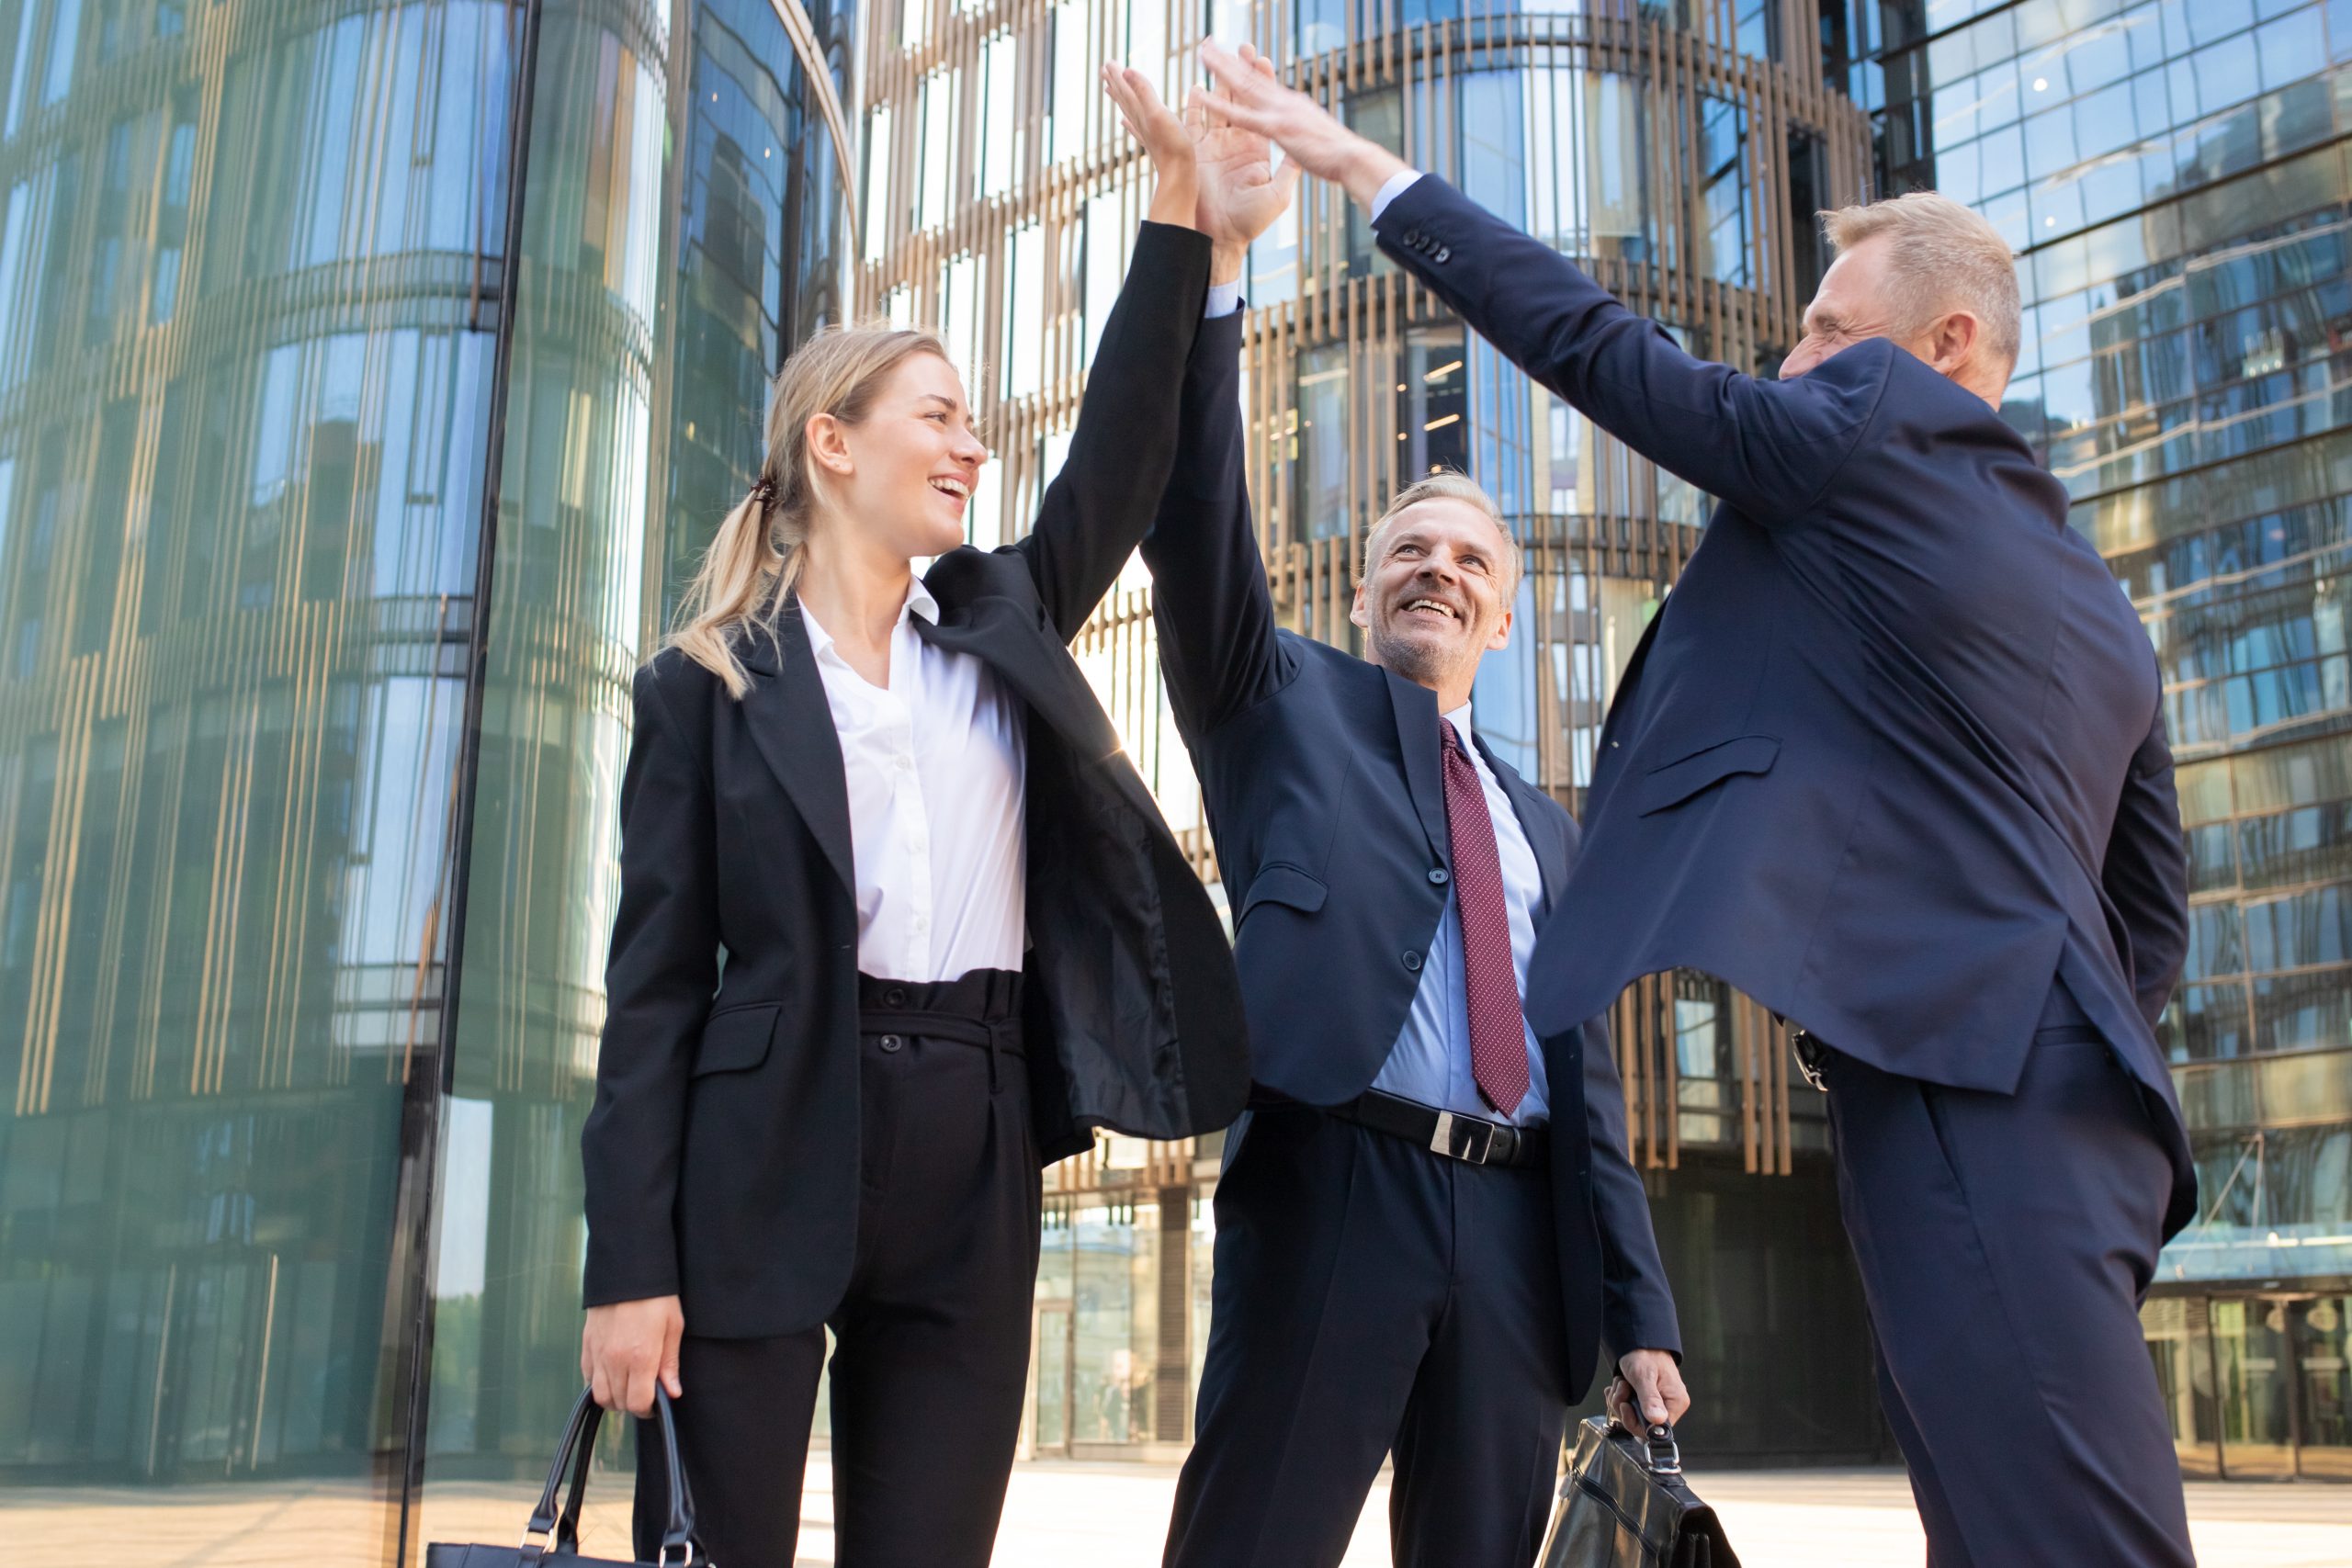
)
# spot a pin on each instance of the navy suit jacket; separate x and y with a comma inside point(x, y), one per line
point(1892, 757)
point(1323, 781)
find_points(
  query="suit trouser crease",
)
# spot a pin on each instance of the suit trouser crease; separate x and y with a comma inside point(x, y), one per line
point(931, 1338)
point(2004, 1243)
point(1370, 1295)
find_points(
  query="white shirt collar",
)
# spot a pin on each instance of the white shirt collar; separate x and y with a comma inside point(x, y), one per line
point(1460, 719)
point(919, 603)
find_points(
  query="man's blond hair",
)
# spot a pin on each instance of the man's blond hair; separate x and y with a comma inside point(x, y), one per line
point(1447, 484)
point(1941, 256)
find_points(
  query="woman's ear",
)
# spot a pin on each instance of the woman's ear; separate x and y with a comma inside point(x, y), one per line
point(828, 442)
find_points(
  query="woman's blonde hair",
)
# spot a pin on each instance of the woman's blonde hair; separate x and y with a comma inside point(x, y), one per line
point(751, 568)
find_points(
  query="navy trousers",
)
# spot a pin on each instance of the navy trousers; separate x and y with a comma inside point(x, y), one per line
point(1370, 1295)
point(2005, 1241)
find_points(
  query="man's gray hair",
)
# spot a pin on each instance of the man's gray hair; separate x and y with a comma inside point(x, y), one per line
point(1941, 256)
point(1447, 484)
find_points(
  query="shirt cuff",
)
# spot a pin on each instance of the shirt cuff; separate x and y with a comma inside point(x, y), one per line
point(1225, 299)
point(1390, 191)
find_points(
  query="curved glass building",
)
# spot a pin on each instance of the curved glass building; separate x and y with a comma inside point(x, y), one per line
point(1680, 151)
point(368, 373)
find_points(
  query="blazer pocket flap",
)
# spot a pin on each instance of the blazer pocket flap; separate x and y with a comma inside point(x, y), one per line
point(1284, 884)
point(1679, 781)
point(736, 1039)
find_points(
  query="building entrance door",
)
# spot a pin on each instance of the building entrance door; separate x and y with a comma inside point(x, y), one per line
point(1051, 1432)
point(2255, 1388)
point(2320, 1335)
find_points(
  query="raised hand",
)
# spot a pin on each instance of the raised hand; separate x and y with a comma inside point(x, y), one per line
point(1252, 98)
point(1168, 141)
point(1241, 192)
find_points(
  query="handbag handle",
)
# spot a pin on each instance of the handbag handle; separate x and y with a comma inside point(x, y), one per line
point(1660, 1453)
point(574, 1454)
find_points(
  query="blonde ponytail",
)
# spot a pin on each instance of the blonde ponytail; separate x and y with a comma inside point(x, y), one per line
point(749, 572)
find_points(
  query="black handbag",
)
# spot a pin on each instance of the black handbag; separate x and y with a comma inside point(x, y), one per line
point(1623, 1504)
point(561, 1547)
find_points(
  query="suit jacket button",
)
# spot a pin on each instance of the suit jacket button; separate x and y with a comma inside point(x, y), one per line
point(1442, 256)
point(1412, 959)
point(891, 1042)
point(1413, 238)
point(1438, 874)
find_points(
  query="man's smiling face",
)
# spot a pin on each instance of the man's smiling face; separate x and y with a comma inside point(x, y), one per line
point(1437, 596)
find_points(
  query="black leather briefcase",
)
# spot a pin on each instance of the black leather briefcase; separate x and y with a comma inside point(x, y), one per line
point(1623, 1504)
point(560, 1547)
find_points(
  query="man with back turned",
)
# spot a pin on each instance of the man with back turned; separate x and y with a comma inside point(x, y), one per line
point(1892, 760)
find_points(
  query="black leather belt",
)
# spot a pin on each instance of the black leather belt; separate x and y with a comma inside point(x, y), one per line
point(1468, 1138)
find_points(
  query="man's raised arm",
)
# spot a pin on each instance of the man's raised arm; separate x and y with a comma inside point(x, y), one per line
point(1769, 448)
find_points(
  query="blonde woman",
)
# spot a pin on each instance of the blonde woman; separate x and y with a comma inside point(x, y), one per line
point(956, 936)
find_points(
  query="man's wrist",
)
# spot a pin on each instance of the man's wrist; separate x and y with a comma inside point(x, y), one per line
point(1369, 166)
point(1226, 263)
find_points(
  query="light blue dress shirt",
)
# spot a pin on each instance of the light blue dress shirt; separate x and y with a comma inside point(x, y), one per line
point(1431, 1061)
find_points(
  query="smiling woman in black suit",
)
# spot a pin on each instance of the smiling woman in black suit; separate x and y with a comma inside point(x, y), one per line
point(897, 923)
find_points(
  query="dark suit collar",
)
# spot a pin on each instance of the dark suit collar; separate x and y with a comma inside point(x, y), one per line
point(1540, 818)
point(792, 725)
point(1415, 707)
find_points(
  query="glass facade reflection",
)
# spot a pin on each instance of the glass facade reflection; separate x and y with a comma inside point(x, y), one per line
point(2174, 177)
point(306, 850)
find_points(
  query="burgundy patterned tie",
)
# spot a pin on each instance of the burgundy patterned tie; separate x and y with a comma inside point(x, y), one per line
point(1497, 1023)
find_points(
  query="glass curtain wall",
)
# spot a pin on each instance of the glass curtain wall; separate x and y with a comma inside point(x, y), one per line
point(280, 1251)
point(2175, 179)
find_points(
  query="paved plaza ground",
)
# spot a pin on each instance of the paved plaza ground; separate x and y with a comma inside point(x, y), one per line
point(1075, 1516)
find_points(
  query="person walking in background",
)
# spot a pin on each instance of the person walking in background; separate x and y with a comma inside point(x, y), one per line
point(1427, 1222)
point(1890, 759)
point(957, 937)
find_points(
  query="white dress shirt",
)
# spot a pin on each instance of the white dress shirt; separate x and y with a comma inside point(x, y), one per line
point(1431, 1061)
point(936, 767)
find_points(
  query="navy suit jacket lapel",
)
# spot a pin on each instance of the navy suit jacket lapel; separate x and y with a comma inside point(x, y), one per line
point(1415, 707)
point(792, 725)
point(1540, 818)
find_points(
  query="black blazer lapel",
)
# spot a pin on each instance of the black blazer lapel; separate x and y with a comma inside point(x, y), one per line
point(1416, 735)
point(792, 724)
point(1540, 818)
point(1012, 639)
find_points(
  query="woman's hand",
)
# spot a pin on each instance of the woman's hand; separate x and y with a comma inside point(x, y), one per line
point(1241, 192)
point(1167, 140)
point(626, 1347)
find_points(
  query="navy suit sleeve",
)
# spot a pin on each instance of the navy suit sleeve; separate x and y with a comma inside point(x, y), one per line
point(1210, 598)
point(1098, 507)
point(1769, 448)
point(2146, 872)
point(659, 980)
point(1636, 1303)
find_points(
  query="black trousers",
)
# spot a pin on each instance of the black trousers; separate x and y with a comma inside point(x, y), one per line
point(931, 1341)
point(2005, 1241)
point(1371, 1296)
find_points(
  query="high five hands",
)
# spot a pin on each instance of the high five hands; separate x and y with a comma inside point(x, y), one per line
point(1238, 191)
point(1251, 97)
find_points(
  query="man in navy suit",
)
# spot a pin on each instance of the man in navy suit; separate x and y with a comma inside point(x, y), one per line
point(1892, 760)
point(1428, 1223)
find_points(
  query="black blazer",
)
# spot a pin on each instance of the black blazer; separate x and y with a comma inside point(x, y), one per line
point(1892, 758)
point(722, 1154)
point(1323, 781)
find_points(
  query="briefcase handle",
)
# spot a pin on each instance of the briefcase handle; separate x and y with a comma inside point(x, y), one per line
point(575, 1454)
point(1660, 1453)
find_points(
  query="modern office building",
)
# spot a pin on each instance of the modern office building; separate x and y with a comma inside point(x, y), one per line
point(366, 370)
point(2173, 176)
point(1680, 153)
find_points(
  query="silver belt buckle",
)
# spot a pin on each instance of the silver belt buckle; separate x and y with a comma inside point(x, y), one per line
point(1808, 1053)
point(1478, 1142)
